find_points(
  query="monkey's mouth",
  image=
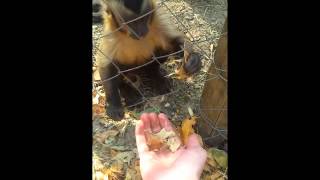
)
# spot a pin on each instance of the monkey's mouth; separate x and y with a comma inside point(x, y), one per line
point(133, 36)
point(137, 37)
point(138, 32)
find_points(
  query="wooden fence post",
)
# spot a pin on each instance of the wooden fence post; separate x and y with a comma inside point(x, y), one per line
point(213, 104)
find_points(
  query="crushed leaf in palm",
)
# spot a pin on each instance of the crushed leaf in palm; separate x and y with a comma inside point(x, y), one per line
point(163, 140)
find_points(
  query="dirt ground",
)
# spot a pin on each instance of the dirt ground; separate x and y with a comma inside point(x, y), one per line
point(114, 151)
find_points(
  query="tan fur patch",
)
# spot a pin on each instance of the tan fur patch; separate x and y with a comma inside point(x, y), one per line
point(128, 51)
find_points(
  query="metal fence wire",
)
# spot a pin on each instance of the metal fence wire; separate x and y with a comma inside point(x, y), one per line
point(202, 32)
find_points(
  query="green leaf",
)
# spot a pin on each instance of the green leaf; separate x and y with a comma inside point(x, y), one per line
point(219, 156)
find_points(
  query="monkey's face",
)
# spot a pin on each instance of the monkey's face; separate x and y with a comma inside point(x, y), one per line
point(139, 28)
point(98, 7)
point(134, 18)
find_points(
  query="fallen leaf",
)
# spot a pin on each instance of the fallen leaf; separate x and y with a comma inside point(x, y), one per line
point(113, 153)
point(94, 93)
point(187, 129)
point(118, 148)
point(130, 174)
point(125, 157)
point(211, 162)
point(115, 171)
point(216, 176)
point(112, 133)
point(101, 137)
point(98, 110)
point(163, 139)
point(102, 100)
point(219, 156)
point(153, 142)
point(181, 74)
point(110, 136)
point(164, 134)
point(174, 143)
point(137, 168)
point(105, 135)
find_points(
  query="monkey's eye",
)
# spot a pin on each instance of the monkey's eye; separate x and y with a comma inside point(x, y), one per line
point(96, 8)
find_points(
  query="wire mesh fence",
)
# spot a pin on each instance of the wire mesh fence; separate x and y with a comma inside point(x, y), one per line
point(201, 21)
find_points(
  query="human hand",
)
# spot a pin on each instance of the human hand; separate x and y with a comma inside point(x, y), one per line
point(186, 163)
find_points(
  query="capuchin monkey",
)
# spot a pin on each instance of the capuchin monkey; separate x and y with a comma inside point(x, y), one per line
point(134, 37)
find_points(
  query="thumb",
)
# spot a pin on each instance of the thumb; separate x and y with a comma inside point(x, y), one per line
point(193, 141)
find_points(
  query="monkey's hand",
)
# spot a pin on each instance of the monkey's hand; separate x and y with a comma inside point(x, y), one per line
point(192, 63)
point(114, 112)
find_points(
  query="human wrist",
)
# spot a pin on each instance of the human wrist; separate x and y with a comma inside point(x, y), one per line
point(179, 174)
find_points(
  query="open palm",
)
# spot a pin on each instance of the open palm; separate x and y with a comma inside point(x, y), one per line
point(185, 163)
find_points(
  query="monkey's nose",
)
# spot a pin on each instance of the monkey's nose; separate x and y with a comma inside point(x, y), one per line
point(134, 36)
point(139, 34)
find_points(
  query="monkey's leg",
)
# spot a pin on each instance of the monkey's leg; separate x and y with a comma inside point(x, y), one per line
point(160, 84)
point(114, 107)
point(130, 94)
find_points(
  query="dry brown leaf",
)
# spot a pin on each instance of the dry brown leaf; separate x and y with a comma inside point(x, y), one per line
point(102, 100)
point(172, 62)
point(181, 74)
point(163, 139)
point(115, 171)
point(187, 129)
point(212, 175)
point(211, 162)
point(98, 110)
point(206, 177)
point(94, 93)
point(163, 134)
point(216, 176)
point(112, 133)
point(137, 168)
point(153, 142)
point(137, 165)
point(207, 168)
point(124, 157)
point(174, 143)
point(116, 167)
point(130, 174)
point(101, 137)
point(113, 153)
